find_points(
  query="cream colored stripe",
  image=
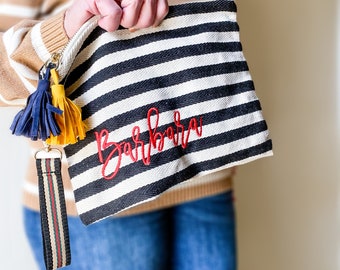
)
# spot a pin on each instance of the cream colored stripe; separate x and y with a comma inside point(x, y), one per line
point(38, 43)
point(59, 215)
point(18, 11)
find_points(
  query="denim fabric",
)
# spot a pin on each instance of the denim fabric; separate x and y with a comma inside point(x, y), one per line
point(195, 235)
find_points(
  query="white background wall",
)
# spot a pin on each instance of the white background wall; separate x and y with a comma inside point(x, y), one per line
point(14, 250)
point(288, 205)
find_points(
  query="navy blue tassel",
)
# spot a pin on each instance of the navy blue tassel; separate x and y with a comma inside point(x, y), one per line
point(36, 120)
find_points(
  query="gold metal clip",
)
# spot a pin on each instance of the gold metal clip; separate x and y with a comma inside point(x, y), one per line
point(48, 152)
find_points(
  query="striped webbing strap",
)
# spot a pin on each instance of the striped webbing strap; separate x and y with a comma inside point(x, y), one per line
point(53, 213)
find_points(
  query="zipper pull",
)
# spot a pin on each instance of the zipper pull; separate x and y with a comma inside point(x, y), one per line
point(70, 121)
point(36, 120)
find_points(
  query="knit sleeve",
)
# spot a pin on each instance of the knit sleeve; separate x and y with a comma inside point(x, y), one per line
point(24, 48)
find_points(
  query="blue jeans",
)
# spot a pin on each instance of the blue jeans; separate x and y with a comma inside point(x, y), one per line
point(197, 235)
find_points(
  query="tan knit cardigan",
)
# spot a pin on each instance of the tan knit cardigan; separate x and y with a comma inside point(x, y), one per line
point(33, 31)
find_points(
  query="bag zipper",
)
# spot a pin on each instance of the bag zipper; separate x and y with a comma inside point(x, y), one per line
point(64, 58)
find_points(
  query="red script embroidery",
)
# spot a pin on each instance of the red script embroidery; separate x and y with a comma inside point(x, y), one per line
point(178, 134)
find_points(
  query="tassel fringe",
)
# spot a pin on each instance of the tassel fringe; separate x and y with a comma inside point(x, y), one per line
point(37, 119)
point(70, 121)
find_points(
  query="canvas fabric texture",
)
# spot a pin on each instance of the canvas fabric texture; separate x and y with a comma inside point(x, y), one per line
point(163, 106)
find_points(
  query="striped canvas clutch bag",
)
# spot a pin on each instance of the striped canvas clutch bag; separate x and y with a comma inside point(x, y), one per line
point(161, 106)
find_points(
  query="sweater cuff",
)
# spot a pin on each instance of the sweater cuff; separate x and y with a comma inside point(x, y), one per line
point(53, 33)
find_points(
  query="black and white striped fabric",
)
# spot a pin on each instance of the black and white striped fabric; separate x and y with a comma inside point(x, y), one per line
point(161, 106)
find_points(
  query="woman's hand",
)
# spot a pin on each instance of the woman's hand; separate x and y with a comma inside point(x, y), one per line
point(132, 14)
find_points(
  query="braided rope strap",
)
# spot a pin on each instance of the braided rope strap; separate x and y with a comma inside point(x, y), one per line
point(53, 213)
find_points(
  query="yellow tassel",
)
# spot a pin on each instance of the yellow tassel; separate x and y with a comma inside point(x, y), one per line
point(70, 121)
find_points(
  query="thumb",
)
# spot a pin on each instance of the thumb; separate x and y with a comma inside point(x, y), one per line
point(110, 14)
